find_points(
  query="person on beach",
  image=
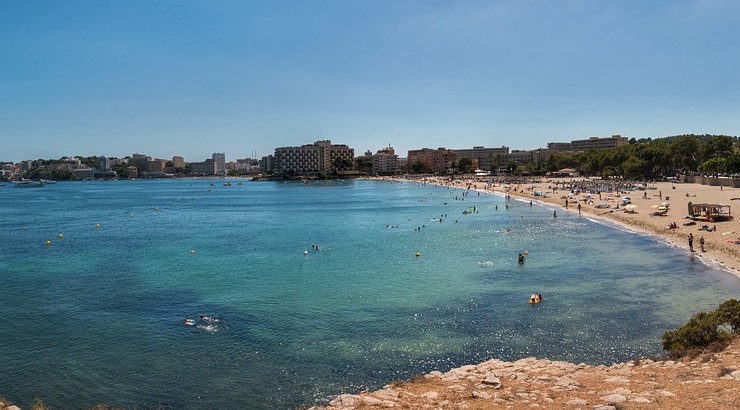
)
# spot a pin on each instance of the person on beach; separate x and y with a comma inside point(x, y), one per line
point(701, 243)
point(691, 242)
point(579, 209)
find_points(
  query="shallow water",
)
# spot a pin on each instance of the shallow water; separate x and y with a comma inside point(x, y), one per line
point(98, 315)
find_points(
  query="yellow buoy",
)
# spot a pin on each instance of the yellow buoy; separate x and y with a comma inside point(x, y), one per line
point(192, 252)
point(97, 226)
point(156, 209)
point(60, 236)
point(48, 243)
point(526, 252)
point(417, 254)
point(131, 215)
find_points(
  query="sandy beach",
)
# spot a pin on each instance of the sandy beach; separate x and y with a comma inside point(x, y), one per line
point(721, 246)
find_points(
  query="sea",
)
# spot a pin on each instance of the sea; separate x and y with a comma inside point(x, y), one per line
point(300, 292)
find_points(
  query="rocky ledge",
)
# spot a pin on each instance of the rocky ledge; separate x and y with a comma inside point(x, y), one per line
point(709, 381)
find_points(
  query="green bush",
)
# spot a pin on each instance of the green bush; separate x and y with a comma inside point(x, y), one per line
point(704, 329)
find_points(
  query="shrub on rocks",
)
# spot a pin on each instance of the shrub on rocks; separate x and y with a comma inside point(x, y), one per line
point(704, 330)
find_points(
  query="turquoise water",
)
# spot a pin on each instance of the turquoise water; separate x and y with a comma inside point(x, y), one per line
point(98, 315)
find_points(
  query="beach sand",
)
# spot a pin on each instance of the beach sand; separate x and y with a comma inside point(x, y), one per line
point(720, 246)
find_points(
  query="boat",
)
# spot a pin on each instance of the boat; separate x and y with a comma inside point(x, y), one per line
point(27, 183)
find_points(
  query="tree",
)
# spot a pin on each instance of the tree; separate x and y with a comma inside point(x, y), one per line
point(465, 165)
point(342, 164)
point(364, 164)
point(419, 167)
point(713, 165)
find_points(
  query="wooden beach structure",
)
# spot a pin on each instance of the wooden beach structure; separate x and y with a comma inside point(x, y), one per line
point(710, 212)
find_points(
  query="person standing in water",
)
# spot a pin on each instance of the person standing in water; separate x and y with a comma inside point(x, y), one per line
point(691, 242)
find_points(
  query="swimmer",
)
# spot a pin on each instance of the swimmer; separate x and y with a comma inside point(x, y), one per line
point(189, 322)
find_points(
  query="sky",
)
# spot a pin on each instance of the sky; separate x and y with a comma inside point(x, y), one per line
point(190, 78)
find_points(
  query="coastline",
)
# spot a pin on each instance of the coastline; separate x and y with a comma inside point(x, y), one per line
point(718, 253)
point(708, 382)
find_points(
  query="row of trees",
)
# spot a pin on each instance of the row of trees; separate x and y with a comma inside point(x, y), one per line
point(640, 159)
point(653, 159)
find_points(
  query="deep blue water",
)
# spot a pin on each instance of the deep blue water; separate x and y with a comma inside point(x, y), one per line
point(97, 317)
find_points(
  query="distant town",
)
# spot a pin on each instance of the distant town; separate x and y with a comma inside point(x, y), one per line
point(321, 159)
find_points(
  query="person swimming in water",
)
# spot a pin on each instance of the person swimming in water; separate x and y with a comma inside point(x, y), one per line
point(189, 322)
point(521, 258)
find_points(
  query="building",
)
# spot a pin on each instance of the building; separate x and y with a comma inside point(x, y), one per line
point(485, 157)
point(586, 144)
point(103, 164)
point(267, 164)
point(315, 158)
point(599, 143)
point(385, 161)
point(207, 167)
point(437, 161)
point(219, 160)
point(178, 162)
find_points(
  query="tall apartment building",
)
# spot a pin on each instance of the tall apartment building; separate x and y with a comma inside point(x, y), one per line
point(313, 158)
point(485, 157)
point(219, 161)
point(385, 161)
point(103, 163)
point(439, 160)
point(178, 162)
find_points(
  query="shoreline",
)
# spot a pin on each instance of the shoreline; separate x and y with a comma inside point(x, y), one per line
point(719, 253)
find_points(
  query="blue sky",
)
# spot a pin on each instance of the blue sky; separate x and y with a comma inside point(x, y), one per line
point(189, 78)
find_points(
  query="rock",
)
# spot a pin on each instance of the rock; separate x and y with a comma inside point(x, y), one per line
point(616, 380)
point(13, 408)
point(665, 393)
point(605, 408)
point(435, 373)
point(576, 402)
point(430, 395)
point(386, 394)
point(480, 395)
point(345, 400)
point(371, 401)
point(614, 398)
point(736, 374)
point(492, 381)
point(567, 382)
point(640, 399)
point(622, 391)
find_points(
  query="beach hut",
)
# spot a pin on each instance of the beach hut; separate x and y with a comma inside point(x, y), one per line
point(710, 212)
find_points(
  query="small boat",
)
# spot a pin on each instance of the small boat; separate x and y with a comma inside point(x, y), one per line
point(27, 183)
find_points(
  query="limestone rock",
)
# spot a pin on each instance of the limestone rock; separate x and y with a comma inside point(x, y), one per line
point(576, 402)
point(614, 398)
point(492, 380)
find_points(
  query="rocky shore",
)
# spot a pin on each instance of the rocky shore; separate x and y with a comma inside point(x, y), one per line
point(709, 381)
